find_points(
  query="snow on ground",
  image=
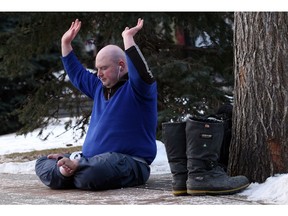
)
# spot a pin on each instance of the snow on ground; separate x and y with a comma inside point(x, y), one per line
point(11, 143)
point(274, 190)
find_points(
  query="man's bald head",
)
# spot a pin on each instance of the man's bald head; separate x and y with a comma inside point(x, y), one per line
point(111, 52)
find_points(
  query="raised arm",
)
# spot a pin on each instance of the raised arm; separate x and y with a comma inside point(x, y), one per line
point(69, 36)
point(128, 34)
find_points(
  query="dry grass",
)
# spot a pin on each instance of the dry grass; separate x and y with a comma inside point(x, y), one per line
point(29, 156)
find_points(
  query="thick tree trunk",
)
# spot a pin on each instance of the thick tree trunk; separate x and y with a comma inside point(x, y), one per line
point(259, 146)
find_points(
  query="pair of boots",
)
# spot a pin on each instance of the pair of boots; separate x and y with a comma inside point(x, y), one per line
point(193, 151)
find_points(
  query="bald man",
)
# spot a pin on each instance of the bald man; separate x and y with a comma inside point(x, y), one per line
point(120, 143)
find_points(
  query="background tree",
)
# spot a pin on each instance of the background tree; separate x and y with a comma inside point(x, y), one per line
point(260, 136)
point(190, 54)
point(31, 91)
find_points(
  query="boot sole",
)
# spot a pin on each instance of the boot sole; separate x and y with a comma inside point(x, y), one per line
point(216, 192)
point(180, 193)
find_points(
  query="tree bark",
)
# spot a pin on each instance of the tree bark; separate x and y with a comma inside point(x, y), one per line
point(259, 145)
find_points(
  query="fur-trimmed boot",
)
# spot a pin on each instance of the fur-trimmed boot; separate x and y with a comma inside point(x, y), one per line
point(205, 177)
point(174, 139)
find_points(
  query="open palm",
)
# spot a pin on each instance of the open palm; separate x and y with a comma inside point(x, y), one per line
point(72, 32)
point(132, 31)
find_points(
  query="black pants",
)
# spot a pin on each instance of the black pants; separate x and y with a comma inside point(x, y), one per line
point(101, 172)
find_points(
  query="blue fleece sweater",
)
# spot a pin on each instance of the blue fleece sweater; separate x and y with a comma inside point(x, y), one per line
point(126, 123)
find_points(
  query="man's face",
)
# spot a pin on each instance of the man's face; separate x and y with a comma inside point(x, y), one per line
point(107, 71)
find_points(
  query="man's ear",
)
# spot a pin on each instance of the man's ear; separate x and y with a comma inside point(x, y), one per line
point(121, 65)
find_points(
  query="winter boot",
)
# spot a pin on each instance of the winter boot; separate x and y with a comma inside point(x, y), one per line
point(174, 139)
point(205, 176)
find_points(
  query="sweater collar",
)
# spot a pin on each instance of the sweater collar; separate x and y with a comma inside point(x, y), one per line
point(109, 92)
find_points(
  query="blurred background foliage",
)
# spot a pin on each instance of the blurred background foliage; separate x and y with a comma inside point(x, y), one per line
point(190, 53)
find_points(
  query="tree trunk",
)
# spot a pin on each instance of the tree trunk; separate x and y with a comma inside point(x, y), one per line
point(259, 145)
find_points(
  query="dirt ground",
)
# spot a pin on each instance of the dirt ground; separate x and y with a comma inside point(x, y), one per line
point(23, 189)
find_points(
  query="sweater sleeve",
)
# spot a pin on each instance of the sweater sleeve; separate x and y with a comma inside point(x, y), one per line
point(140, 64)
point(80, 77)
point(140, 76)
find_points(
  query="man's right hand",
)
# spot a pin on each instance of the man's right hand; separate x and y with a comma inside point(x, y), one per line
point(55, 156)
point(69, 36)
